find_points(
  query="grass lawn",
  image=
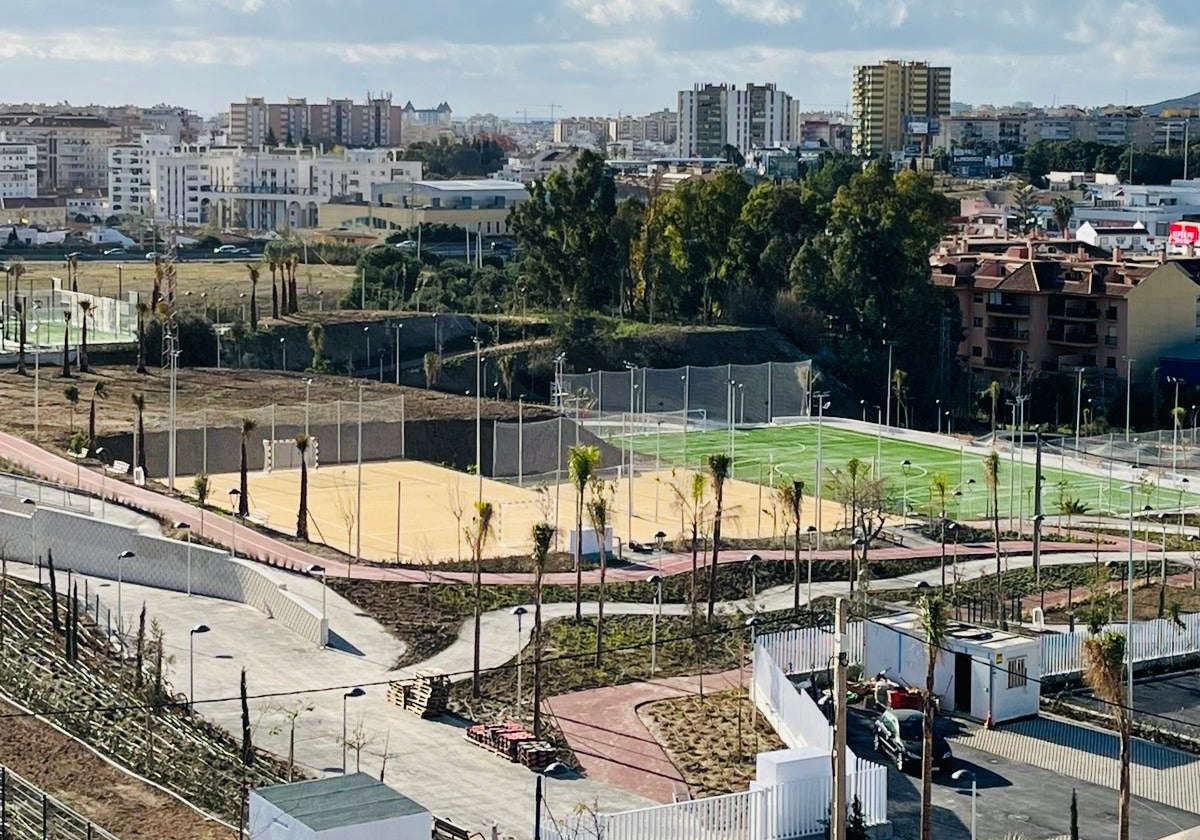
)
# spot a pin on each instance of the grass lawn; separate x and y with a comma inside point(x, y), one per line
point(775, 453)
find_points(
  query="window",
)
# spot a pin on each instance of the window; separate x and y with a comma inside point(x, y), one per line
point(976, 351)
point(1111, 362)
point(979, 322)
point(1111, 313)
point(1017, 675)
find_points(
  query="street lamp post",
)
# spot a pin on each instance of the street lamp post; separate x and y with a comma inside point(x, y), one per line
point(358, 503)
point(887, 392)
point(1176, 381)
point(520, 613)
point(307, 388)
point(234, 496)
point(479, 415)
point(658, 582)
point(367, 336)
point(33, 537)
point(958, 775)
point(183, 526)
point(812, 529)
point(1128, 392)
point(199, 628)
point(398, 326)
point(354, 692)
point(1132, 488)
point(124, 555)
point(283, 350)
point(752, 561)
point(938, 410)
point(821, 406)
point(905, 469)
point(1078, 404)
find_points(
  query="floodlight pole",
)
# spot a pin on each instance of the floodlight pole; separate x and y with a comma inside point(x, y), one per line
point(1128, 392)
point(887, 392)
point(358, 508)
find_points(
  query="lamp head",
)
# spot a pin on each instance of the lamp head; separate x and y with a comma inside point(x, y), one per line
point(125, 555)
point(354, 692)
point(200, 628)
point(519, 611)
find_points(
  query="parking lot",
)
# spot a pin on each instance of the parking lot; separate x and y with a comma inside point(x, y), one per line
point(1013, 798)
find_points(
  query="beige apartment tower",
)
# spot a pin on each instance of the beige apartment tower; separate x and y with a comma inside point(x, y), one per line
point(897, 105)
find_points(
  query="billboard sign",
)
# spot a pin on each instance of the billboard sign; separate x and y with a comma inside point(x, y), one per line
point(1184, 233)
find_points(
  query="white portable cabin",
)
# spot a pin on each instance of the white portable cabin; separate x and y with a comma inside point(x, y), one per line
point(352, 807)
point(981, 673)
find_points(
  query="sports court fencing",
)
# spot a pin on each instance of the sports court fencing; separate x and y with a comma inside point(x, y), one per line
point(741, 393)
point(29, 813)
point(1162, 449)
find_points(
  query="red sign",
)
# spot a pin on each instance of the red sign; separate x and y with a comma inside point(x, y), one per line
point(1184, 233)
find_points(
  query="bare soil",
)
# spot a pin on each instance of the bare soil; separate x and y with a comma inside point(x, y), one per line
point(1145, 602)
point(118, 803)
point(713, 740)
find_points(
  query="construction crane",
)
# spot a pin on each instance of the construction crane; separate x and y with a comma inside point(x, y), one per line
point(550, 105)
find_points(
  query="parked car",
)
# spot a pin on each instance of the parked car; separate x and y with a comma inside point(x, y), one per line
point(111, 252)
point(899, 735)
point(231, 250)
point(153, 255)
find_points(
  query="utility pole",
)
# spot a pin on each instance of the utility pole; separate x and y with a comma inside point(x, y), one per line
point(838, 816)
point(1037, 507)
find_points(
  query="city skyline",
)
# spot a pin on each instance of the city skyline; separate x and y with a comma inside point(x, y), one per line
point(587, 56)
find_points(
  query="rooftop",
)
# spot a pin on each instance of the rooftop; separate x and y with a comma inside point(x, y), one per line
point(492, 184)
point(956, 631)
point(337, 801)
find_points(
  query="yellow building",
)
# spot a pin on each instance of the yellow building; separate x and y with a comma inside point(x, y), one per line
point(897, 104)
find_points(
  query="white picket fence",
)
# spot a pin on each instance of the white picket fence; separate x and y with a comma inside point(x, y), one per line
point(1149, 641)
point(770, 813)
point(808, 649)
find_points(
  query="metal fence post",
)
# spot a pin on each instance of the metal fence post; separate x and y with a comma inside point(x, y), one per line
point(3, 801)
point(45, 816)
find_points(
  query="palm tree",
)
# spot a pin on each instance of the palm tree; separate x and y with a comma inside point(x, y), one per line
point(1104, 665)
point(791, 495)
point(98, 392)
point(253, 269)
point(19, 306)
point(933, 622)
point(293, 263)
point(1062, 209)
point(85, 310)
point(433, 365)
point(302, 514)
point(248, 427)
point(719, 466)
point(274, 267)
point(900, 393)
point(542, 534)
point(581, 466)
point(689, 499)
point(139, 443)
point(201, 486)
point(66, 368)
point(72, 272)
point(72, 395)
point(991, 474)
point(477, 535)
point(143, 313)
point(598, 510)
point(992, 392)
point(939, 483)
point(316, 343)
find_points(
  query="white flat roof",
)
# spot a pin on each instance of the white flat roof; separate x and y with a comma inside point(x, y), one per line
point(492, 184)
point(956, 631)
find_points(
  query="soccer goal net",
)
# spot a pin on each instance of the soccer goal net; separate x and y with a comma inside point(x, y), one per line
point(284, 455)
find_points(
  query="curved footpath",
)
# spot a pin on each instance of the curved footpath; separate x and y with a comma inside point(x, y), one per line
point(256, 544)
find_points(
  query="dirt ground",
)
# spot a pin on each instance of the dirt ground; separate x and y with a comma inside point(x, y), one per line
point(701, 735)
point(113, 800)
point(1145, 601)
point(221, 281)
point(223, 392)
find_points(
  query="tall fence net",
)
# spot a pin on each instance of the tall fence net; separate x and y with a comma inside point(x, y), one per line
point(29, 813)
point(741, 393)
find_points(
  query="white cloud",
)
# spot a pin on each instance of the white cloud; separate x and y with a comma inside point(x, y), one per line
point(891, 13)
point(242, 6)
point(765, 11)
point(613, 12)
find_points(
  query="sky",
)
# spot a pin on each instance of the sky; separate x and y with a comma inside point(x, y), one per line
point(599, 57)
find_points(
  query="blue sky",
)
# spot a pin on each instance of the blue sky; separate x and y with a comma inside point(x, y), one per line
point(586, 56)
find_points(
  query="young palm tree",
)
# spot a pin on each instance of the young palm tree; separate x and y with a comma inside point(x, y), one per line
point(1104, 666)
point(316, 343)
point(143, 314)
point(293, 262)
point(581, 466)
point(19, 306)
point(85, 310)
point(992, 392)
point(73, 272)
point(991, 474)
point(598, 510)
point(933, 622)
point(719, 467)
point(66, 367)
point(900, 392)
point(1061, 210)
point(939, 485)
point(477, 534)
point(302, 513)
point(201, 486)
point(98, 392)
point(253, 269)
point(274, 267)
point(433, 365)
point(689, 499)
point(791, 495)
point(139, 442)
point(72, 395)
point(542, 534)
point(248, 427)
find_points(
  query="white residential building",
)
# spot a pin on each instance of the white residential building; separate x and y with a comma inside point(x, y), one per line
point(18, 169)
point(129, 168)
point(72, 151)
point(712, 117)
point(259, 189)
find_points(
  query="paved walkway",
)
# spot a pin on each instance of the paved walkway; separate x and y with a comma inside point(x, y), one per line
point(611, 742)
point(1159, 774)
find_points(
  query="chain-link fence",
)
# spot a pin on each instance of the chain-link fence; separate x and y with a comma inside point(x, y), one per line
point(29, 813)
point(1169, 449)
point(741, 393)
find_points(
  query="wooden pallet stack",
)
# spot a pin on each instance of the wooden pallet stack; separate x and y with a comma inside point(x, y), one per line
point(513, 742)
point(426, 695)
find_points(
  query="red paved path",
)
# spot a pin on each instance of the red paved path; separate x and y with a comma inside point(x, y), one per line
point(259, 545)
point(611, 742)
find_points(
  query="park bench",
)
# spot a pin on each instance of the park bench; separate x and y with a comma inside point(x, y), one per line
point(446, 830)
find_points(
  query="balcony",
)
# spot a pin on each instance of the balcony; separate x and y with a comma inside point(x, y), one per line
point(1002, 362)
point(1018, 309)
point(1075, 335)
point(1110, 341)
point(1080, 311)
point(1007, 334)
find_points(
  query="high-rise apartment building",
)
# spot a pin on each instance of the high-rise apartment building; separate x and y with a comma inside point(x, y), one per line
point(72, 151)
point(897, 105)
point(18, 169)
point(375, 123)
point(129, 168)
point(713, 116)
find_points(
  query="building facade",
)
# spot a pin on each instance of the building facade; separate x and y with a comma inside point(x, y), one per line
point(1009, 129)
point(232, 186)
point(72, 151)
point(713, 116)
point(478, 206)
point(896, 105)
point(18, 169)
point(376, 123)
point(129, 174)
